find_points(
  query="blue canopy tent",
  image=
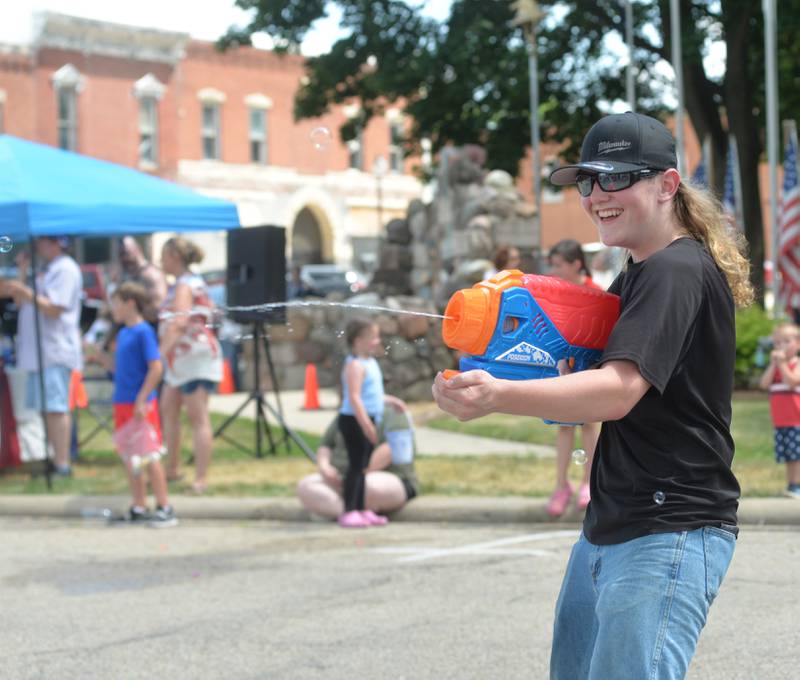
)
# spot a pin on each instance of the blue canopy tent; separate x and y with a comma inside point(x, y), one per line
point(49, 192)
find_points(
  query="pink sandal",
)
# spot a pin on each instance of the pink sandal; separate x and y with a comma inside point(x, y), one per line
point(374, 519)
point(559, 501)
point(353, 520)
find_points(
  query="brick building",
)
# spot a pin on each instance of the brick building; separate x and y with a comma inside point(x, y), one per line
point(221, 123)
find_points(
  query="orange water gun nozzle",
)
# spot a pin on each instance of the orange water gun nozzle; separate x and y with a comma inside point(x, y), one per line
point(471, 314)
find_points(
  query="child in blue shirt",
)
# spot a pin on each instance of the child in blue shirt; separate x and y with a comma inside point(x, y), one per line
point(137, 373)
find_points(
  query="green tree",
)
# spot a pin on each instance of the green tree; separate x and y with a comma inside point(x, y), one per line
point(466, 79)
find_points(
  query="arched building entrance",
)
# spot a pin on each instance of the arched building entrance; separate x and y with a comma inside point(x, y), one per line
point(307, 239)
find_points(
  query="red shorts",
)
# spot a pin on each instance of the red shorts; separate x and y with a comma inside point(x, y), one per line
point(124, 412)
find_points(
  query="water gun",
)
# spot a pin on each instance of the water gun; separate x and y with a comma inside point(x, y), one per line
point(519, 326)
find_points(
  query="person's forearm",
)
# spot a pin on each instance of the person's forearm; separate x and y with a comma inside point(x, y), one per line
point(587, 396)
point(360, 414)
point(766, 378)
point(381, 458)
point(105, 359)
point(323, 457)
point(46, 307)
point(151, 381)
point(787, 374)
point(171, 336)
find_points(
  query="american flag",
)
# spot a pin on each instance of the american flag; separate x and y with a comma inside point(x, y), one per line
point(700, 176)
point(729, 194)
point(789, 224)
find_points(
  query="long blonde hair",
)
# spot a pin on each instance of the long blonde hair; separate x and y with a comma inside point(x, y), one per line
point(703, 216)
point(188, 252)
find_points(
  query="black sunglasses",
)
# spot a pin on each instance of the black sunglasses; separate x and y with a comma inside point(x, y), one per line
point(612, 181)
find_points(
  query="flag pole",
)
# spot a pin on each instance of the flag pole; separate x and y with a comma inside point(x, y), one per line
point(772, 144)
point(677, 66)
point(630, 82)
point(733, 153)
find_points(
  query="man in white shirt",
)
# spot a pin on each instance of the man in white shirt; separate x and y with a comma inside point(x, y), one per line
point(59, 288)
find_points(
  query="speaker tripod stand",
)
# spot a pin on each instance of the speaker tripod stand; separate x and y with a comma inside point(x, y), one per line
point(262, 406)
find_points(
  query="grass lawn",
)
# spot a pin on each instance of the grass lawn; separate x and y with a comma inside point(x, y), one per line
point(236, 473)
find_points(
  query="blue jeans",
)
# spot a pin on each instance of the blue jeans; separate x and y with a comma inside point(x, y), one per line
point(635, 610)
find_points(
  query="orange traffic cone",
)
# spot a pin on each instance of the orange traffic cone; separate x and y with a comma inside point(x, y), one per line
point(312, 388)
point(226, 385)
point(77, 391)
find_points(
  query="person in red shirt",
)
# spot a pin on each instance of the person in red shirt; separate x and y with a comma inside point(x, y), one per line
point(782, 379)
point(567, 261)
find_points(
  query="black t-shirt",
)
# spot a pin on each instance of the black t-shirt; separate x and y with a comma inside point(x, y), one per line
point(666, 466)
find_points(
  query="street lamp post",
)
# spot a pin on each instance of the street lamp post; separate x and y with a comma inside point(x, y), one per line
point(528, 15)
point(379, 168)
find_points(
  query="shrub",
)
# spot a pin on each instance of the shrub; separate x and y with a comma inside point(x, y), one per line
point(751, 325)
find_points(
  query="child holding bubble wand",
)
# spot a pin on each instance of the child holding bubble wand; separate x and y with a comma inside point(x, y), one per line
point(137, 372)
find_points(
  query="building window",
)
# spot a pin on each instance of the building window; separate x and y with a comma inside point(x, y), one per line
point(67, 118)
point(396, 146)
point(355, 146)
point(211, 131)
point(149, 91)
point(258, 136)
point(355, 150)
point(67, 82)
point(148, 130)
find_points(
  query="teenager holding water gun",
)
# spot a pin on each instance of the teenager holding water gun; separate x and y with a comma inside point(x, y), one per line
point(660, 530)
point(567, 261)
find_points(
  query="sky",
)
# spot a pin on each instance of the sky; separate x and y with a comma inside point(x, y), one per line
point(16, 23)
point(170, 15)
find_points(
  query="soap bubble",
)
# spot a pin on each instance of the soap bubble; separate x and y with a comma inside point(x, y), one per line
point(659, 497)
point(579, 457)
point(5, 244)
point(321, 138)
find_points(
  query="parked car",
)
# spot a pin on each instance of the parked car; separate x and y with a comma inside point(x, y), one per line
point(94, 282)
point(322, 279)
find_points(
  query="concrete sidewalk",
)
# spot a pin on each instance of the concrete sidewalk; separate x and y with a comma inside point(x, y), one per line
point(430, 442)
point(455, 509)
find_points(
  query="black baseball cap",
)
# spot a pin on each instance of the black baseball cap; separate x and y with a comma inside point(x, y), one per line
point(621, 142)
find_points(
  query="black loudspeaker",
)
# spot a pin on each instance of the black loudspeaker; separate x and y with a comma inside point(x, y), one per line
point(256, 272)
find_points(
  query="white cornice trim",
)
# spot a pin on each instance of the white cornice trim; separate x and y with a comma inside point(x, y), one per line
point(68, 76)
point(256, 100)
point(209, 95)
point(88, 36)
point(149, 86)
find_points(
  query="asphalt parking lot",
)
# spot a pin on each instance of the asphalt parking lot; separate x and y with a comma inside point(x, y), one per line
point(81, 599)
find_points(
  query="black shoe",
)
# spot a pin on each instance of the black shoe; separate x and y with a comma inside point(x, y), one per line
point(163, 517)
point(62, 470)
point(138, 515)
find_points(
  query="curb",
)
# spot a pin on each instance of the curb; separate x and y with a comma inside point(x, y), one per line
point(445, 509)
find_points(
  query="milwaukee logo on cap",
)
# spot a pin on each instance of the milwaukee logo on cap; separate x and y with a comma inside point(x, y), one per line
point(610, 147)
